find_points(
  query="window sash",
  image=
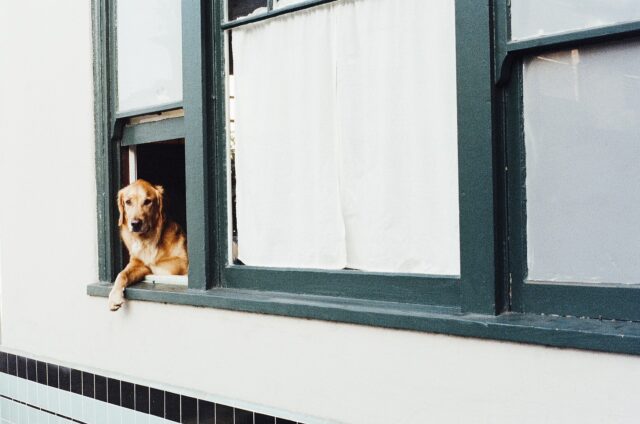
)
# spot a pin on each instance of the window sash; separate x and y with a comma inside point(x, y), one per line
point(152, 132)
point(532, 18)
point(582, 300)
point(475, 289)
point(507, 52)
point(111, 135)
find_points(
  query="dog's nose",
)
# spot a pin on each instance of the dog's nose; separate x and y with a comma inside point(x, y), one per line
point(136, 226)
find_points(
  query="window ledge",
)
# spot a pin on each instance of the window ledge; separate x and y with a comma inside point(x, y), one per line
point(570, 332)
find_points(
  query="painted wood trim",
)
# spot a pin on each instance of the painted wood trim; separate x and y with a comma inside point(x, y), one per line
point(591, 334)
point(166, 129)
point(350, 284)
point(575, 38)
point(197, 74)
point(149, 110)
point(508, 52)
point(478, 248)
point(597, 301)
point(107, 162)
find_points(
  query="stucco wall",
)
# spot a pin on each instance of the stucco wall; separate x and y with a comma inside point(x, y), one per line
point(338, 372)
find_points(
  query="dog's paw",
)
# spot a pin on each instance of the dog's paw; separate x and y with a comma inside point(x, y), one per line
point(116, 298)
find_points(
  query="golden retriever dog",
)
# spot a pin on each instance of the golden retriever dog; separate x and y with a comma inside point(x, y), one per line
point(156, 245)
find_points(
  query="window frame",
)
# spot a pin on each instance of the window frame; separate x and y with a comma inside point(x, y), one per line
point(473, 290)
point(112, 134)
point(568, 299)
point(479, 308)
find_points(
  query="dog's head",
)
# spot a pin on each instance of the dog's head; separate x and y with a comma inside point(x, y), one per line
point(140, 206)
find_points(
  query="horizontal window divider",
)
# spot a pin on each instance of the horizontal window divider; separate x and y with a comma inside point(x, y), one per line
point(406, 288)
point(506, 53)
point(583, 284)
point(582, 300)
point(150, 132)
point(149, 110)
point(347, 272)
point(573, 38)
point(273, 13)
point(568, 332)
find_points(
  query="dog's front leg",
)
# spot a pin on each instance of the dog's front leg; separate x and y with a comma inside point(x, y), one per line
point(132, 273)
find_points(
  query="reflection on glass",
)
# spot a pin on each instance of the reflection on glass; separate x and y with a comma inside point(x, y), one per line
point(241, 8)
point(582, 140)
point(534, 18)
point(149, 53)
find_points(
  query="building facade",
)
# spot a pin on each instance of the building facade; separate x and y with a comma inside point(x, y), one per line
point(272, 356)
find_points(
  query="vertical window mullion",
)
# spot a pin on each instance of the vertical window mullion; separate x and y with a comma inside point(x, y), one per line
point(199, 228)
point(478, 248)
point(218, 137)
point(113, 259)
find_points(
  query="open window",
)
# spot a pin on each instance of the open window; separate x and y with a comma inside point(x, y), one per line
point(152, 149)
point(149, 116)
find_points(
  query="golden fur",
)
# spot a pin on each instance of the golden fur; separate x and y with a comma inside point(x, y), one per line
point(156, 245)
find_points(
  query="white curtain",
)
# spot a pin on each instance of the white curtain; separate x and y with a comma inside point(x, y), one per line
point(346, 142)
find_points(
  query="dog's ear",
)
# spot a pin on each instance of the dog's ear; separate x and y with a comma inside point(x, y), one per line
point(160, 196)
point(121, 207)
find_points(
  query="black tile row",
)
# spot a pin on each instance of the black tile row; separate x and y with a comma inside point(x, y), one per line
point(148, 400)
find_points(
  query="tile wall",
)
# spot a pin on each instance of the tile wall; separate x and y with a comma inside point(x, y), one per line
point(34, 392)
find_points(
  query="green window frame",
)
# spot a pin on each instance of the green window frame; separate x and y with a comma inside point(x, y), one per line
point(112, 133)
point(606, 301)
point(475, 304)
point(471, 292)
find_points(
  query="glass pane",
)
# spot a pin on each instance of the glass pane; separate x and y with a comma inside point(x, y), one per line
point(344, 140)
point(149, 53)
point(240, 8)
point(582, 139)
point(535, 18)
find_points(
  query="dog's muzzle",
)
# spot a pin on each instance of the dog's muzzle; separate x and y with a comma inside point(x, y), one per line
point(136, 226)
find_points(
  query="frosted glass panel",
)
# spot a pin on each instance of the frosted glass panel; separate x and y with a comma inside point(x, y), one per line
point(582, 139)
point(149, 53)
point(534, 18)
point(346, 139)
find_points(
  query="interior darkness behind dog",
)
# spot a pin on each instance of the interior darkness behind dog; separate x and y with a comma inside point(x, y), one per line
point(240, 8)
point(163, 164)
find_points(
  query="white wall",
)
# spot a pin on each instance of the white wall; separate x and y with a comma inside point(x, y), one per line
point(338, 372)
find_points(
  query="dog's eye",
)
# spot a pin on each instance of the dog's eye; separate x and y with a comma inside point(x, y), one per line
point(147, 201)
point(128, 202)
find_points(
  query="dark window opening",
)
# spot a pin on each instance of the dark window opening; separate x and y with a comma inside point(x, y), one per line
point(239, 8)
point(163, 164)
